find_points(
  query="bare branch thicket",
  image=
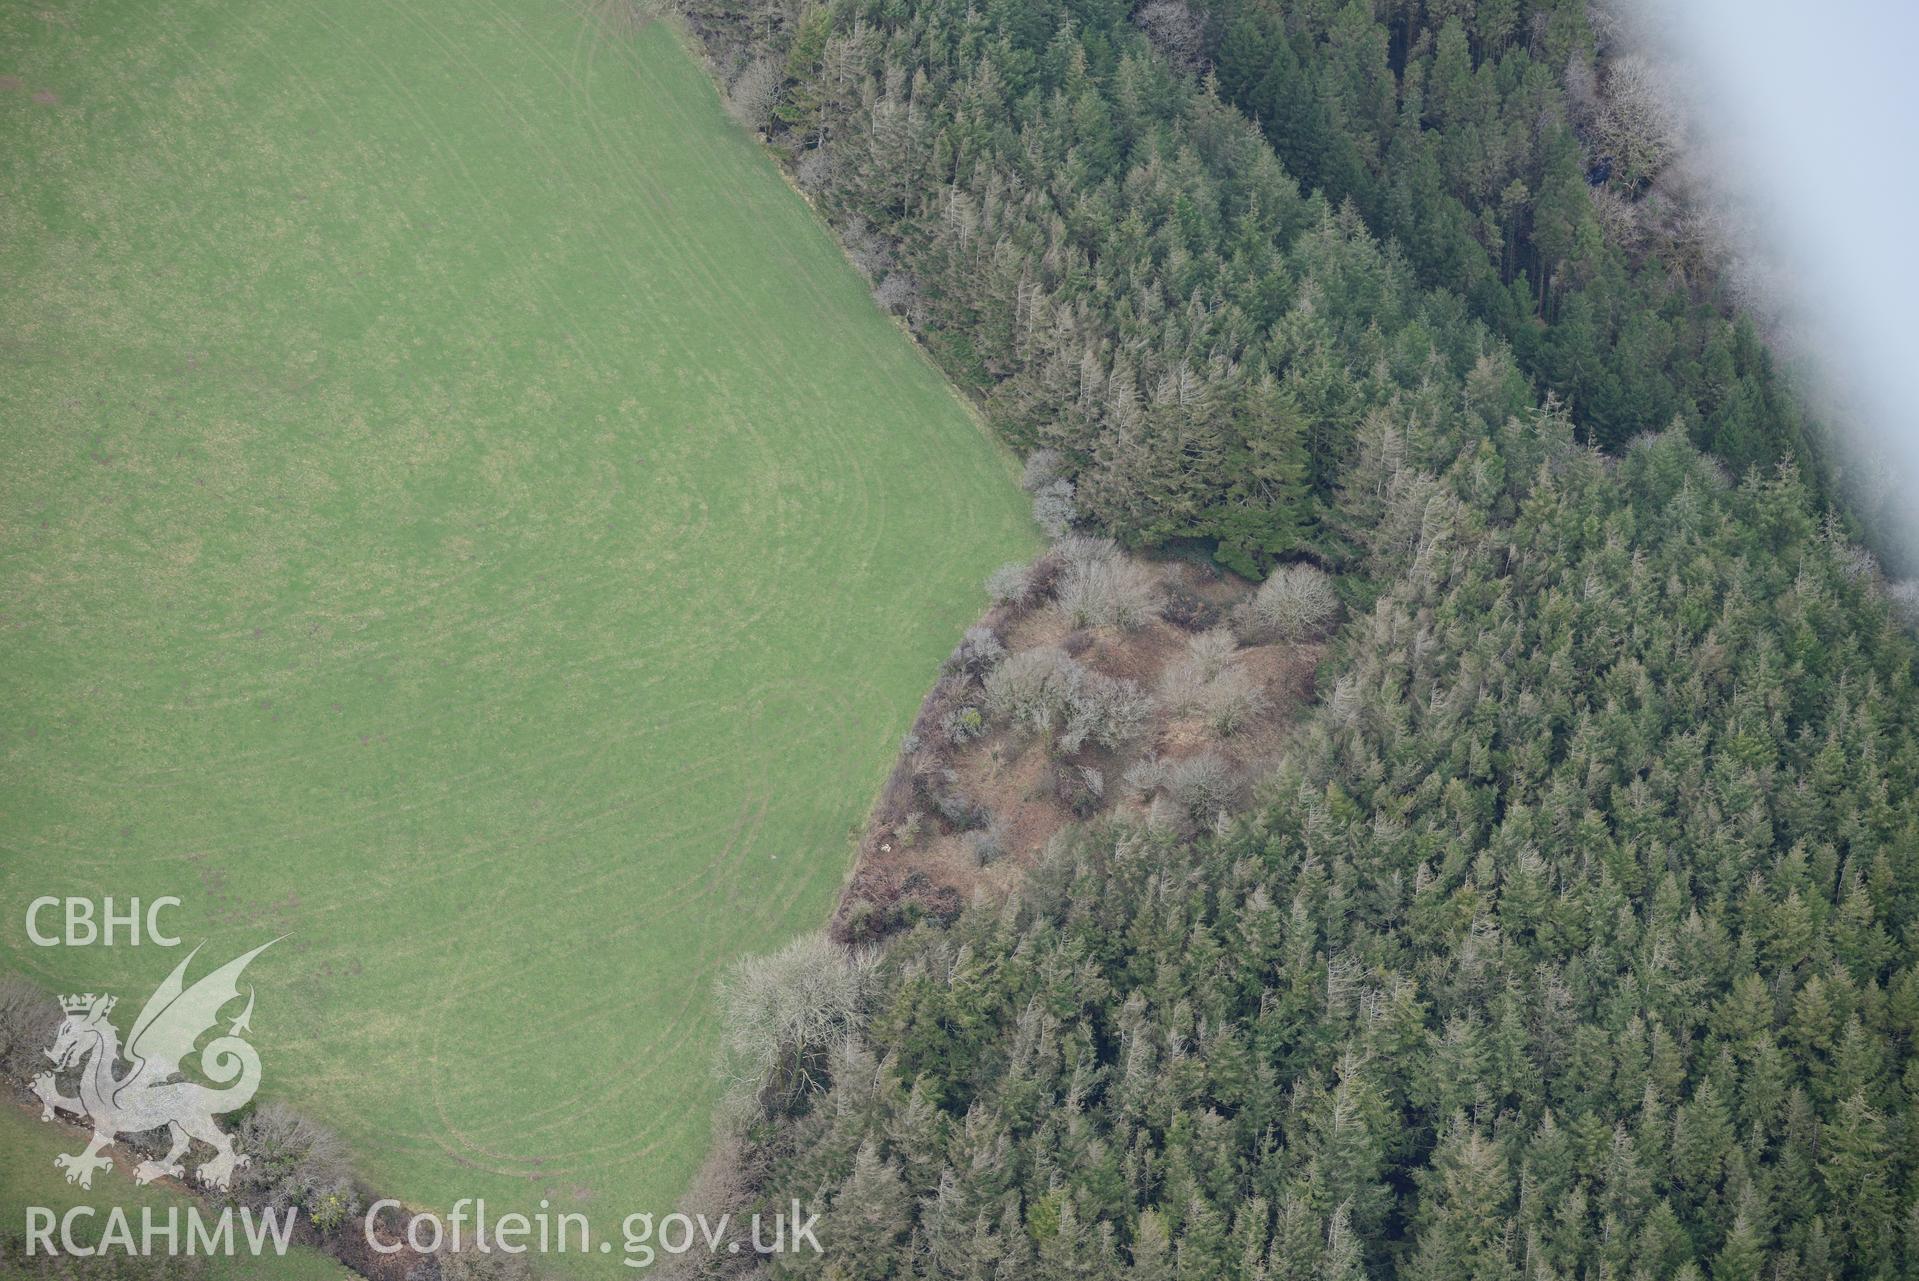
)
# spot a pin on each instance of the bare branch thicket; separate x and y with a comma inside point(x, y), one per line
point(28, 1019)
point(1043, 467)
point(1049, 694)
point(1293, 604)
point(292, 1162)
point(1173, 30)
point(1054, 510)
point(1108, 593)
point(1010, 584)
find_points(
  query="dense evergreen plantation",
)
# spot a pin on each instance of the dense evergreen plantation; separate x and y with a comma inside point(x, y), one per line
point(1454, 129)
point(1574, 942)
point(1122, 269)
point(1575, 938)
point(1119, 265)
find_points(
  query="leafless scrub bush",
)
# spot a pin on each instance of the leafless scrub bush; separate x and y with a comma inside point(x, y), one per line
point(1054, 510)
point(1231, 701)
point(1010, 584)
point(1107, 593)
point(1294, 603)
point(1043, 467)
point(1046, 693)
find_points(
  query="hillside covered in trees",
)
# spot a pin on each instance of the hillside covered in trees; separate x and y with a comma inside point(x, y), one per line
point(1514, 168)
point(1574, 936)
point(1573, 941)
point(1091, 236)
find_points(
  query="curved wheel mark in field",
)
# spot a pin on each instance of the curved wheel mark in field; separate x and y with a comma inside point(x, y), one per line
point(462, 510)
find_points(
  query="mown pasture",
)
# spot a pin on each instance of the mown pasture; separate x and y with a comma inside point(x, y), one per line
point(460, 512)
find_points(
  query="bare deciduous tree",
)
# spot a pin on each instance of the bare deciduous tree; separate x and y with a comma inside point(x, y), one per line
point(1173, 29)
point(1184, 681)
point(749, 99)
point(782, 1013)
point(1638, 125)
point(896, 292)
point(815, 170)
point(1202, 787)
point(1905, 602)
point(1084, 549)
point(1031, 688)
point(1230, 702)
point(1205, 682)
point(1145, 778)
point(1045, 692)
point(978, 652)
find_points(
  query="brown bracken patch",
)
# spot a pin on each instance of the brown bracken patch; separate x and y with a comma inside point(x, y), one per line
point(920, 859)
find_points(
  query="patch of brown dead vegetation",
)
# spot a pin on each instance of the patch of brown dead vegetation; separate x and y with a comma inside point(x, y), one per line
point(916, 862)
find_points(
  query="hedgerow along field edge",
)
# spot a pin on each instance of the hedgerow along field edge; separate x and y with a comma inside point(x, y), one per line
point(462, 514)
point(27, 1149)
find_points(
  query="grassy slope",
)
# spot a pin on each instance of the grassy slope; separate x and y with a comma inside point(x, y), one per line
point(461, 512)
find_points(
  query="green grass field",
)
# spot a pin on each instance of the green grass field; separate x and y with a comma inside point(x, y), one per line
point(460, 512)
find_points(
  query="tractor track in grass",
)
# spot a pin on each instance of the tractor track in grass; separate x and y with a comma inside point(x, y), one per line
point(464, 514)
